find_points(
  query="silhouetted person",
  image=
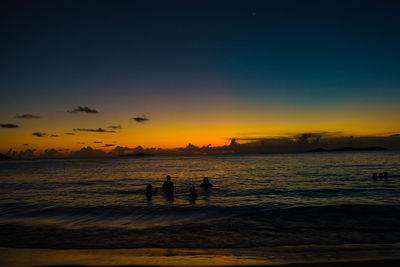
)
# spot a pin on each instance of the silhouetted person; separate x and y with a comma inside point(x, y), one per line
point(149, 191)
point(206, 183)
point(375, 176)
point(385, 175)
point(381, 176)
point(168, 187)
point(192, 193)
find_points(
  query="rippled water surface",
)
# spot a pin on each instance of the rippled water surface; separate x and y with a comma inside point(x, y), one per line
point(113, 188)
point(250, 192)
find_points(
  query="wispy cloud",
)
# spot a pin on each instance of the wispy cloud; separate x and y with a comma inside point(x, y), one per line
point(99, 130)
point(108, 145)
point(27, 116)
point(39, 134)
point(9, 125)
point(115, 127)
point(70, 133)
point(140, 119)
point(82, 110)
point(97, 142)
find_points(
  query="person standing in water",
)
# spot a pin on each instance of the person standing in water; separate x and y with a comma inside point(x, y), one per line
point(168, 187)
point(149, 191)
point(192, 193)
point(206, 183)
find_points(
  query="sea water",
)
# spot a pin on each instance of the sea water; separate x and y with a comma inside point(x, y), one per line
point(256, 201)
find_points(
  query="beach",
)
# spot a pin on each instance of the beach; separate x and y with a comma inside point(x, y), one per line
point(350, 255)
point(199, 133)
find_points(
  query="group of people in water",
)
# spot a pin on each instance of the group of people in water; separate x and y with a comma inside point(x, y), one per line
point(168, 188)
point(382, 176)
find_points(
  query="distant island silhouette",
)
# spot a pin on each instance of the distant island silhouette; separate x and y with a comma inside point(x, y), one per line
point(4, 157)
point(137, 155)
point(345, 149)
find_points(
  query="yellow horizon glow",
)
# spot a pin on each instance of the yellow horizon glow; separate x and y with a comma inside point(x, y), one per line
point(200, 127)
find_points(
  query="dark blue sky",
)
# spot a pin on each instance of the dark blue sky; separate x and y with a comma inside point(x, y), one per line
point(296, 53)
point(293, 44)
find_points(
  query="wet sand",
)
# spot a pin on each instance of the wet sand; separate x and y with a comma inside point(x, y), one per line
point(371, 263)
point(312, 255)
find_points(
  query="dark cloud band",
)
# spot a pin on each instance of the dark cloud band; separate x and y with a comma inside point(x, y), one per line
point(99, 130)
point(82, 110)
point(140, 119)
point(27, 116)
point(9, 125)
point(39, 134)
point(115, 127)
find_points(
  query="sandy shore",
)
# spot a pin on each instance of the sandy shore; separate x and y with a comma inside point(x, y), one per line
point(370, 263)
point(311, 255)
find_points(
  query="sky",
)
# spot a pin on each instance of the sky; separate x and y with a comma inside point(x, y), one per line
point(198, 72)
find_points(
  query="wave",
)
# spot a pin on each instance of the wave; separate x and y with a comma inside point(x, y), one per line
point(337, 224)
point(309, 192)
point(26, 209)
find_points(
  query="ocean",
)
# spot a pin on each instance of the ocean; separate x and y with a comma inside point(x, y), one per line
point(259, 204)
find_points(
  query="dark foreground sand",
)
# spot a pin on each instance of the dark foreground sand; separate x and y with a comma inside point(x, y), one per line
point(371, 263)
point(310, 255)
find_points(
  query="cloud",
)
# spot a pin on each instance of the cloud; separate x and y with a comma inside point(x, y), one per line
point(97, 142)
point(80, 143)
point(9, 125)
point(306, 138)
point(27, 116)
point(24, 154)
point(115, 127)
point(30, 153)
point(108, 145)
point(289, 143)
point(395, 135)
point(99, 130)
point(70, 133)
point(38, 134)
point(140, 119)
point(314, 137)
point(299, 138)
point(83, 110)
point(302, 142)
point(26, 144)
